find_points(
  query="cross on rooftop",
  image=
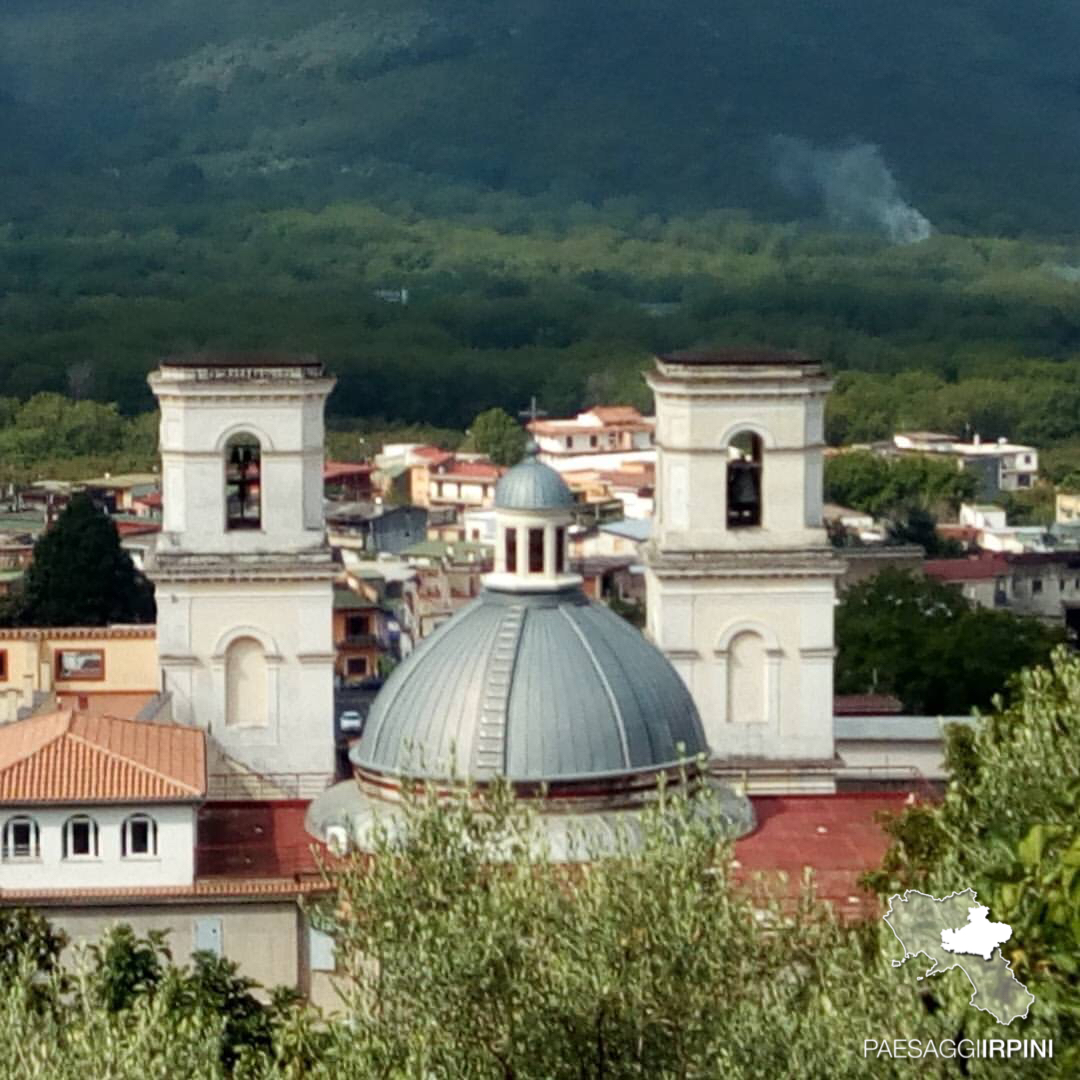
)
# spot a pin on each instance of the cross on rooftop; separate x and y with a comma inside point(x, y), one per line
point(533, 412)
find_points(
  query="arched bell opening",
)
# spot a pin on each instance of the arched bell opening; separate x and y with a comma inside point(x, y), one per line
point(243, 482)
point(744, 481)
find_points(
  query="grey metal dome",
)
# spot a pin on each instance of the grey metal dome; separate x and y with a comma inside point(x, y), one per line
point(533, 687)
point(532, 485)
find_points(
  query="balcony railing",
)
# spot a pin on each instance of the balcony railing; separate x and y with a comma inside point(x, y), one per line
point(267, 785)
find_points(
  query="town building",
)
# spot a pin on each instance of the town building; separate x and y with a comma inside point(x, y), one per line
point(374, 528)
point(604, 436)
point(96, 670)
point(999, 466)
point(1044, 586)
point(362, 638)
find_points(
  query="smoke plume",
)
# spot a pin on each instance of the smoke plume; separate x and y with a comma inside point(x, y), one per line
point(854, 184)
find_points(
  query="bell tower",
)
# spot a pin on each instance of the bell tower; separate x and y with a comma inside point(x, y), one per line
point(740, 575)
point(242, 569)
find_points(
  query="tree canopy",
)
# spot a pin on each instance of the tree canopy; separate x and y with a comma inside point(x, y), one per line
point(1008, 827)
point(81, 576)
point(496, 433)
point(921, 640)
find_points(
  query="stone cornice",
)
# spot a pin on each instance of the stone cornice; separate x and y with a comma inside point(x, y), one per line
point(283, 566)
point(821, 563)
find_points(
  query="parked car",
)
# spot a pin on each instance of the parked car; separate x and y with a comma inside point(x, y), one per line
point(351, 720)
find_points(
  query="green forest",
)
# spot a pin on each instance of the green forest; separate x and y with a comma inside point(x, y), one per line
point(563, 189)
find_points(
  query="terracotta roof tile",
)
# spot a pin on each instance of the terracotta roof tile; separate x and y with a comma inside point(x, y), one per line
point(76, 757)
point(224, 888)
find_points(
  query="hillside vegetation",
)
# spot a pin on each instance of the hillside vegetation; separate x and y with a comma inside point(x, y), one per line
point(563, 187)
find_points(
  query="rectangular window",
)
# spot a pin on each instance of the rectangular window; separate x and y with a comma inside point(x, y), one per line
point(593, 440)
point(560, 550)
point(356, 665)
point(80, 664)
point(569, 442)
point(1036, 586)
point(3, 665)
point(536, 551)
point(357, 625)
point(321, 950)
point(22, 839)
point(511, 551)
point(80, 837)
point(139, 836)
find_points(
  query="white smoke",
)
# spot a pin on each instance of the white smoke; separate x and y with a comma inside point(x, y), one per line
point(854, 184)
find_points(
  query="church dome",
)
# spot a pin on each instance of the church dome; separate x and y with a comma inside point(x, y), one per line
point(532, 485)
point(533, 687)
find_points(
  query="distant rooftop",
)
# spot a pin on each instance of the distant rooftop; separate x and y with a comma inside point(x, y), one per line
point(738, 356)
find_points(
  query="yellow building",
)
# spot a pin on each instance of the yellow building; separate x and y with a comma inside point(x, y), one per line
point(98, 669)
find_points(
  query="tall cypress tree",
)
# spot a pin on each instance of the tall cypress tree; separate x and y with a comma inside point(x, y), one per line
point(81, 576)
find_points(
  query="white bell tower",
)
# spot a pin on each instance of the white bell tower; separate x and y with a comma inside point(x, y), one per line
point(740, 575)
point(242, 568)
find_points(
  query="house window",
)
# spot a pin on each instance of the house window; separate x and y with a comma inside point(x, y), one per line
point(80, 837)
point(3, 665)
point(744, 481)
point(357, 625)
point(593, 441)
point(560, 550)
point(536, 551)
point(1036, 586)
point(138, 836)
point(569, 441)
point(22, 839)
point(78, 664)
point(511, 551)
point(1023, 481)
point(356, 665)
point(243, 483)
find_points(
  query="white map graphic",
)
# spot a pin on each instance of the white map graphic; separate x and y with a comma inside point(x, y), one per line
point(978, 937)
point(954, 932)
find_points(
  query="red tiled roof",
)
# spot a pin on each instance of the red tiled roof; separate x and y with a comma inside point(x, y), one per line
point(980, 568)
point(432, 454)
point(471, 470)
point(836, 837)
point(74, 757)
point(339, 470)
point(153, 499)
point(616, 414)
point(866, 705)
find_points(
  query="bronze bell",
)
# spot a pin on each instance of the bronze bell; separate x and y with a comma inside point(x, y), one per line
point(743, 485)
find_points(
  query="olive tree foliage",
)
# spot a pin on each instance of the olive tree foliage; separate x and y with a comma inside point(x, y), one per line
point(1009, 827)
point(466, 955)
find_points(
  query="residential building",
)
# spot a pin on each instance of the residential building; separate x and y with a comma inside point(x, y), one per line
point(96, 670)
point(373, 528)
point(602, 430)
point(362, 637)
point(999, 466)
point(118, 494)
point(448, 577)
point(632, 486)
point(1046, 586)
point(348, 481)
point(98, 802)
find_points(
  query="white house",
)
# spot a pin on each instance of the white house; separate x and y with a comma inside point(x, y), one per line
point(95, 802)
